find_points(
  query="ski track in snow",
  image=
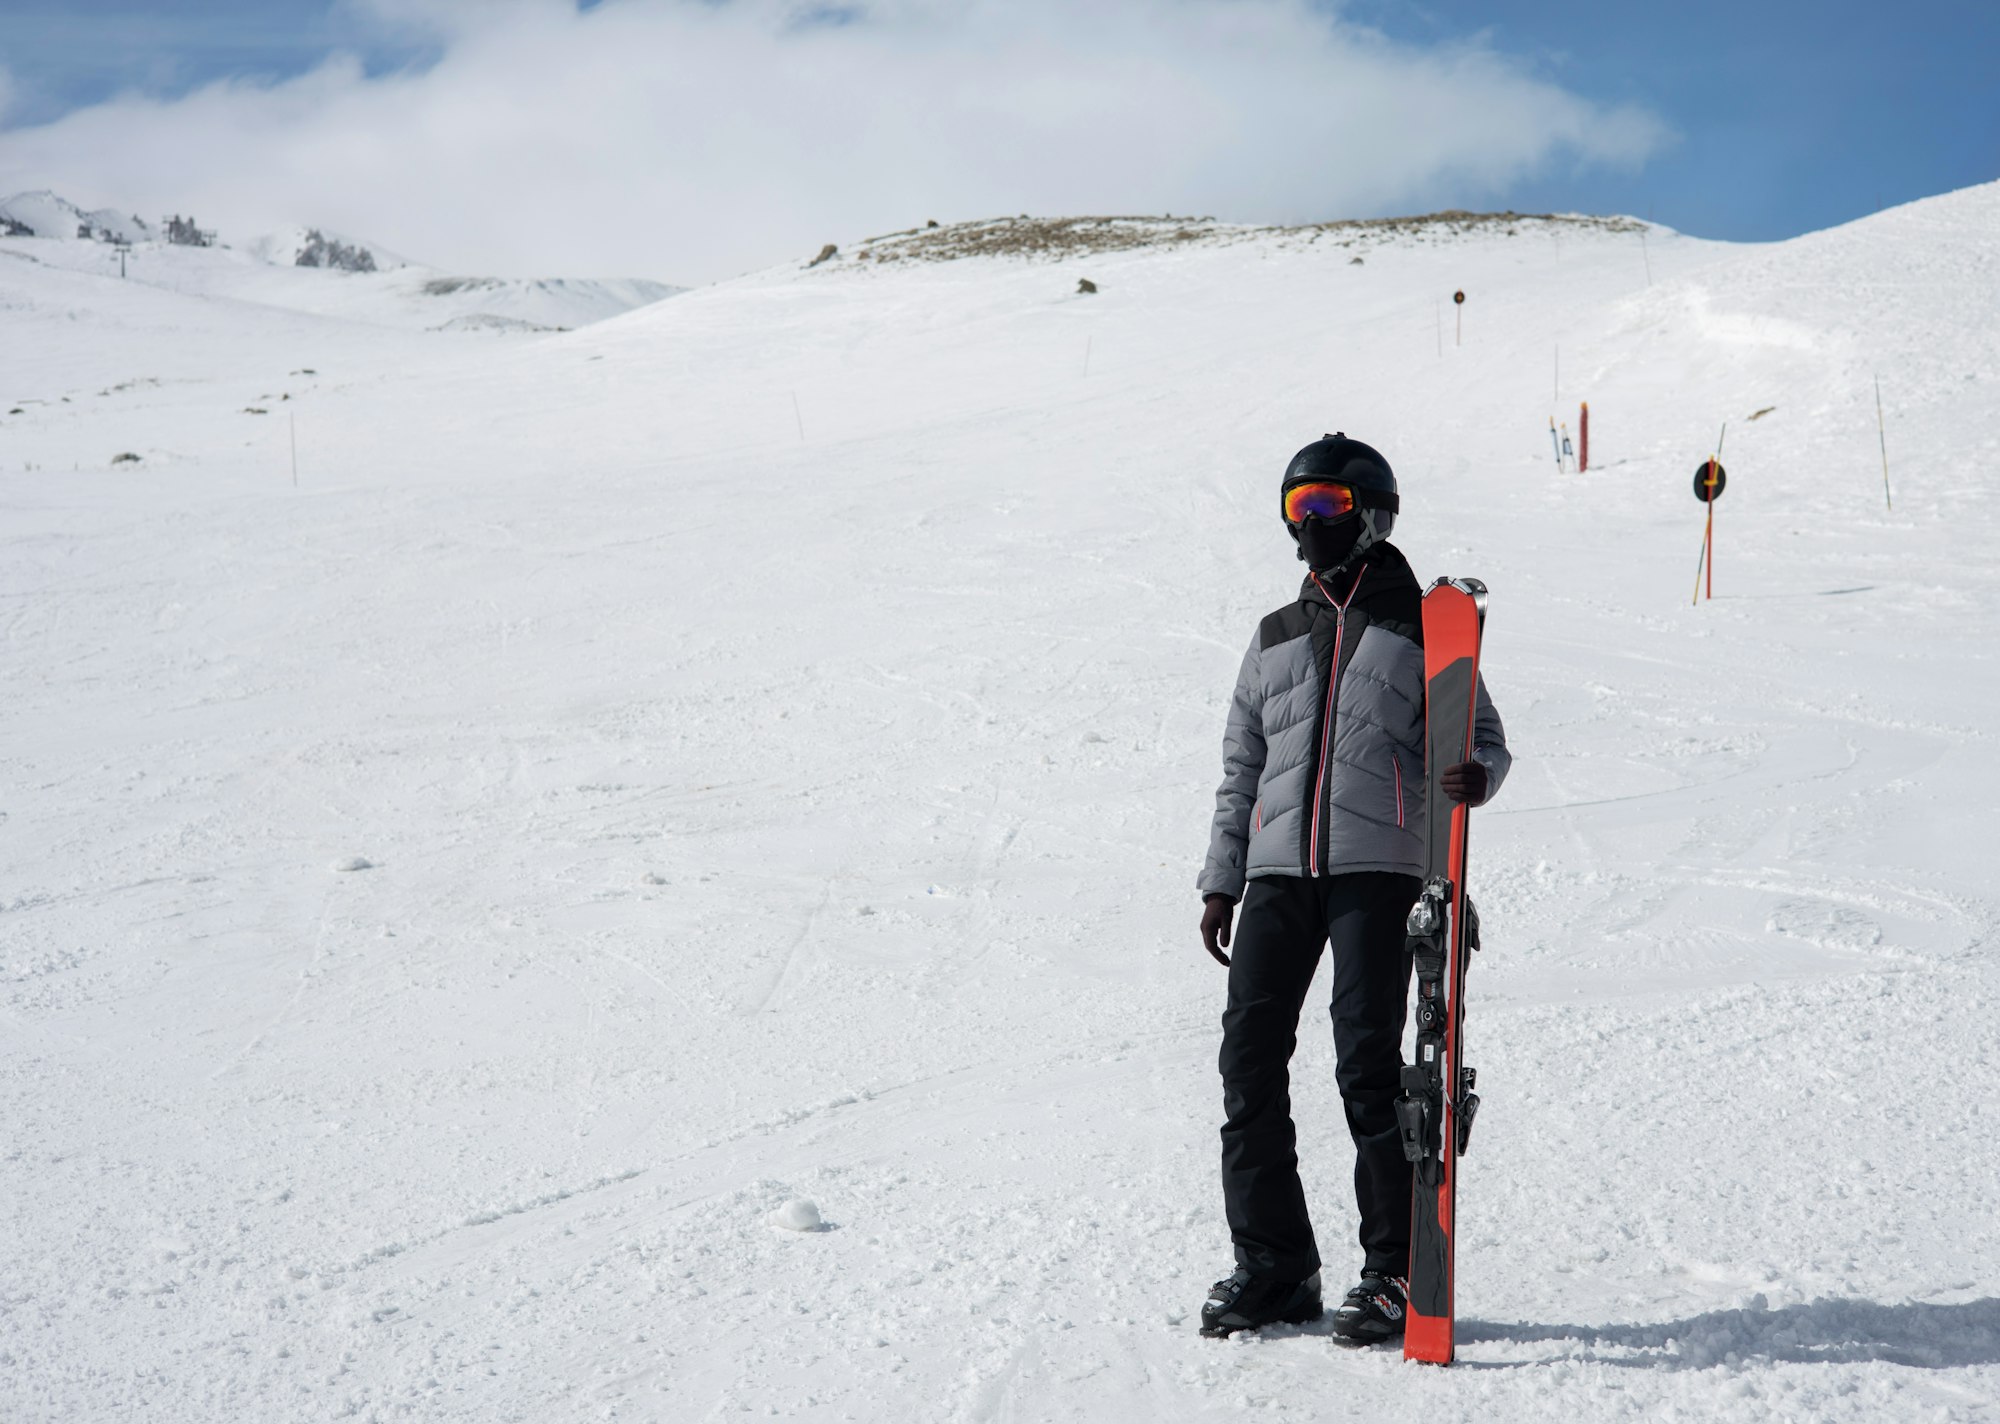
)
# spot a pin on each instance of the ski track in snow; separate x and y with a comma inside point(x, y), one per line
point(752, 817)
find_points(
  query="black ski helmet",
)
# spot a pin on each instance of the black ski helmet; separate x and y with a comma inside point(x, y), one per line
point(1348, 462)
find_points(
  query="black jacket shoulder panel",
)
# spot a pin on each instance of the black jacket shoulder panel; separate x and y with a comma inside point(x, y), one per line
point(1294, 620)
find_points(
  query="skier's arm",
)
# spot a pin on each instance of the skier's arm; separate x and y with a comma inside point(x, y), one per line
point(1242, 766)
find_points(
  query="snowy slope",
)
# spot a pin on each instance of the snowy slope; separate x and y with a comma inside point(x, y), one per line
point(781, 725)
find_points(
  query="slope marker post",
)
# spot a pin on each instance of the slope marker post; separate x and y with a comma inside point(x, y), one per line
point(1710, 479)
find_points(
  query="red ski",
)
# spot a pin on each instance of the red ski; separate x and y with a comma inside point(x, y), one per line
point(1435, 1111)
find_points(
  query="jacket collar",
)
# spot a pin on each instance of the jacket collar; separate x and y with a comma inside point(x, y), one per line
point(1381, 569)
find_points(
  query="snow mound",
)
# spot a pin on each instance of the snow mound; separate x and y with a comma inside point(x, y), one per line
point(798, 1214)
point(524, 304)
point(492, 321)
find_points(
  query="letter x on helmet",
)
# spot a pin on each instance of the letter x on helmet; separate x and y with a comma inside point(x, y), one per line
point(1335, 477)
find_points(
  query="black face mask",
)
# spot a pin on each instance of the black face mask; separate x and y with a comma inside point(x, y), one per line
point(1326, 546)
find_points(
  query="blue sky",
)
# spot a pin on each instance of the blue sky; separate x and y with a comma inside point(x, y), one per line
point(67, 54)
point(1790, 116)
point(1736, 120)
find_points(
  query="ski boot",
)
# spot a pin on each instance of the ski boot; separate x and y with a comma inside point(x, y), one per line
point(1373, 1311)
point(1243, 1301)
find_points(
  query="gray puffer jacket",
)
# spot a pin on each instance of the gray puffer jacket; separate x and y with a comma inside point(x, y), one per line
point(1319, 785)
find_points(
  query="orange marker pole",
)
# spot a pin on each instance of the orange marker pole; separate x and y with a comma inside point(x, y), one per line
point(1708, 486)
point(1711, 540)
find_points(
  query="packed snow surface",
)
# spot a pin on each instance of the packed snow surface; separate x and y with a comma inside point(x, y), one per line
point(779, 728)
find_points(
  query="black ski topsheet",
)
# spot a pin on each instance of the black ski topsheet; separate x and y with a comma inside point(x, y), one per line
point(1437, 1102)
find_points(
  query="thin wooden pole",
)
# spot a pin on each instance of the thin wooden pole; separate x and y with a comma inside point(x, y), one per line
point(1714, 475)
point(1882, 435)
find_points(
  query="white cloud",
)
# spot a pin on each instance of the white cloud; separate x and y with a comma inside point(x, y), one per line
point(688, 140)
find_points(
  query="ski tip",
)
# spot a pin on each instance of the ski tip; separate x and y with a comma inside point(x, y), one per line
point(1472, 588)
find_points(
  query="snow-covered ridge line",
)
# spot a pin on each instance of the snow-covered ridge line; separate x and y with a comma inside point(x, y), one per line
point(48, 215)
point(42, 213)
point(307, 269)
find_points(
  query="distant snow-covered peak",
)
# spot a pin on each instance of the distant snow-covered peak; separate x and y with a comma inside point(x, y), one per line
point(46, 214)
point(318, 247)
point(308, 269)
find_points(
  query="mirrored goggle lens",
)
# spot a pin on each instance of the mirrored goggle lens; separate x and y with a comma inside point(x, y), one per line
point(1328, 501)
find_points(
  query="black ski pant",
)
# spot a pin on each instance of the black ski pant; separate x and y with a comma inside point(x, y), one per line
point(1286, 920)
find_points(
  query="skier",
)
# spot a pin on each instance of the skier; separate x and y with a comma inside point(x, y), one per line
point(1319, 834)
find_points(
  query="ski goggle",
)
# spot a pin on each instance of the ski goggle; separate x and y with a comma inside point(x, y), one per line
point(1322, 498)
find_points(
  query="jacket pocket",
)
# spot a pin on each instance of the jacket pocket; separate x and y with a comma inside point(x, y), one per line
point(1397, 763)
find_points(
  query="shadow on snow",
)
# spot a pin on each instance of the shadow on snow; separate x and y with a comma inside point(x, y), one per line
point(1917, 1334)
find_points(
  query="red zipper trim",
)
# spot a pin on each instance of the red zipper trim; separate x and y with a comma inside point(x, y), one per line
point(1332, 687)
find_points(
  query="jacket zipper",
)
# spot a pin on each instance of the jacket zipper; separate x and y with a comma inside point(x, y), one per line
point(1326, 718)
point(1397, 762)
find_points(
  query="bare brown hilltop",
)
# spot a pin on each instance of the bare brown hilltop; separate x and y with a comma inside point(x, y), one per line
point(1058, 238)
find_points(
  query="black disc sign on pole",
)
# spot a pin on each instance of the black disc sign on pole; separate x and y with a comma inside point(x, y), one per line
point(1707, 489)
point(1458, 318)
